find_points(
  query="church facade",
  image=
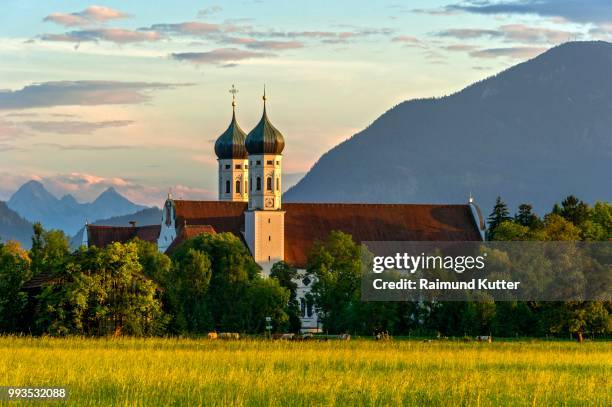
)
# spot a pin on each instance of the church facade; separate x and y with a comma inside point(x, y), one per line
point(250, 206)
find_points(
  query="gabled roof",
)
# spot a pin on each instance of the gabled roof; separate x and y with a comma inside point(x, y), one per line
point(222, 216)
point(101, 236)
point(306, 223)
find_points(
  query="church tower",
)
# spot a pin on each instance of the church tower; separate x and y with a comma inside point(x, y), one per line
point(264, 219)
point(232, 158)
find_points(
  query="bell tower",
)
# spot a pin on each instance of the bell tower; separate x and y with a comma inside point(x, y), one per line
point(232, 158)
point(265, 219)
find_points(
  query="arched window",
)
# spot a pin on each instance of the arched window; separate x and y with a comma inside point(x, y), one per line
point(246, 185)
point(278, 184)
point(227, 187)
point(303, 307)
point(237, 186)
point(269, 183)
point(309, 309)
point(258, 183)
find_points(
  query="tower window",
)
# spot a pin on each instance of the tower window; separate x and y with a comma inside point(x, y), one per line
point(269, 184)
point(278, 163)
point(227, 187)
point(269, 258)
point(258, 162)
point(227, 166)
point(258, 183)
point(238, 166)
point(270, 162)
point(278, 184)
point(246, 187)
point(269, 238)
point(246, 166)
point(237, 186)
point(251, 185)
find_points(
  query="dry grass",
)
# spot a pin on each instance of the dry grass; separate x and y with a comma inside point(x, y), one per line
point(202, 372)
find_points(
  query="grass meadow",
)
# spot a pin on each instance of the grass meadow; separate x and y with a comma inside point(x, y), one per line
point(130, 371)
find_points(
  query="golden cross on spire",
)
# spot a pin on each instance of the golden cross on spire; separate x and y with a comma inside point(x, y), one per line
point(233, 91)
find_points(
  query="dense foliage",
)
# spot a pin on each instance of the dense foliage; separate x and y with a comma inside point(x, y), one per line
point(212, 283)
point(337, 291)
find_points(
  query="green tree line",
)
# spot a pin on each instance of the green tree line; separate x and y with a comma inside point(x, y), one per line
point(211, 283)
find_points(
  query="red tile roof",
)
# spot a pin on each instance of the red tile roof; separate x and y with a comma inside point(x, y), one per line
point(101, 236)
point(187, 232)
point(221, 216)
point(307, 222)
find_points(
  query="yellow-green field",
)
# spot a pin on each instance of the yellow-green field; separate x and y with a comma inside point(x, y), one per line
point(201, 372)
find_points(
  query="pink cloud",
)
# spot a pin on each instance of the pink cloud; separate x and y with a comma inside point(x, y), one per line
point(90, 16)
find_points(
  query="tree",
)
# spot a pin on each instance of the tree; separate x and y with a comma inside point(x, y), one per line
point(579, 318)
point(14, 272)
point(499, 214)
point(233, 268)
point(49, 249)
point(556, 228)
point(508, 231)
point(574, 210)
point(526, 217)
point(286, 276)
point(266, 298)
point(336, 264)
point(100, 292)
point(188, 292)
point(599, 226)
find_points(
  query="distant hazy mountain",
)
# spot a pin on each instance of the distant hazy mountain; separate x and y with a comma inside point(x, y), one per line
point(149, 216)
point(14, 227)
point(36, 204)
point(534, 133)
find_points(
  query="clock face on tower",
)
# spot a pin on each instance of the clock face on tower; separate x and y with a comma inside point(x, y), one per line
point(269, 202)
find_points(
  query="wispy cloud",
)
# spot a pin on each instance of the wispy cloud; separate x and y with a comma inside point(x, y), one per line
point(512, 52)
point(469, 33)
point(87, 147)
point(84, 93)
point(208, 11)
point(74, 126)
point(8, 130)
point(512, 33)
point(219, 56)
point(192, 28)
point(408, 41)
point(115, 35)
point(92, 15)
point(582, 11)
point(271, 45)
point(459, 47)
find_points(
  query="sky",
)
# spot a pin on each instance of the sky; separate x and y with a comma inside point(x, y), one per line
point(133, 94)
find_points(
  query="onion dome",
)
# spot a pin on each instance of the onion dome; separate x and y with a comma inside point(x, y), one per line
point(230, 144)
point(265, 138)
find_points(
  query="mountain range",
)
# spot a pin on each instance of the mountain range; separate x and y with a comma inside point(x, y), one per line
point(534, 133)
point(14, 227)
point(34, 203)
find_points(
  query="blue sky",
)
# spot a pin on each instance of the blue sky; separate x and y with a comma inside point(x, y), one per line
point(133, 94)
